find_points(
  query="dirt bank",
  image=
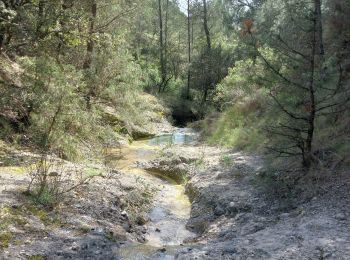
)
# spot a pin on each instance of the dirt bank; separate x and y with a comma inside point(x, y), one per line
point(231, 214)
point(235, 219)
point(92, 222)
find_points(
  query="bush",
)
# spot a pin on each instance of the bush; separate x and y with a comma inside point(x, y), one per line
point(59, 121)
point(50, 181)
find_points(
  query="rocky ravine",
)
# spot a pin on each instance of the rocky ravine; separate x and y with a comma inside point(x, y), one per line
point(234, 219)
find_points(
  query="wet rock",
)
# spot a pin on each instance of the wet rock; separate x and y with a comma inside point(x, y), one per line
point(157, 230)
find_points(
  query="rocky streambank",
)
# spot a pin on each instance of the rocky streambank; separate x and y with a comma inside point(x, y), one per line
point(234, 218)
point(231, 215)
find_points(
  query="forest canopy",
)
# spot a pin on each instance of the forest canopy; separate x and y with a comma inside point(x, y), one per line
point(262, 74)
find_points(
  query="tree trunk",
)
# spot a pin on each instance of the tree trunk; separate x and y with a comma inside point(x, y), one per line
point(2, 37)
point(205, 23)
point(90, 49)
point(40, 19)
point(161, 46)
point(308, 158)
point(90, 42)
point(318, 13)
point(189, 49)
point(208, 54)
point(166, 45)
point(64, 7)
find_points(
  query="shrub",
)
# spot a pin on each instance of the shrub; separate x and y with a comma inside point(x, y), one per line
point(51, 180)
point(59, 121)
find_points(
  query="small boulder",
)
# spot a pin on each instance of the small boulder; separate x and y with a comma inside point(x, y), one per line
point(232, 208)
point(124, 214)
point(141, 220)
point(118, 233)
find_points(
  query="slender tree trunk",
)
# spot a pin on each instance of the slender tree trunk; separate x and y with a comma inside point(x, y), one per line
point(318, 12)
point(2, 38)
point(90, 49)
point(205, 23)
point(161, 46)
point(90, 42)
point(308, 158)
point(166, 44)
point(40, 19)
point(189, 49)
point(64, 7)
point(208, 54)
point(192, 34)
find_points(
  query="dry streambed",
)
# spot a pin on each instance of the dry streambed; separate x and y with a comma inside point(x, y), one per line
point(127, 213)
point(142, 212)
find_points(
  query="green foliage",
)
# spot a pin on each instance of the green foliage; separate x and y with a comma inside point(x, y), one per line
point(243, 103)
point(44, 198)
point(77, 64)
point(59, 121)
point(226, 160)
point(236, 129)
point(208, 69)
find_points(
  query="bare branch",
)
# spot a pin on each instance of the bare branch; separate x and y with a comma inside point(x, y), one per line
point(291, 49)
point(282, 151)
point(292, 115)
point(112, 20)
point(293, 128)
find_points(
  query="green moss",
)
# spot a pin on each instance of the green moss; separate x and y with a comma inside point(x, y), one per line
point(10, 216)
point(84, 229)
point(5, 238)
point(92, 172)
point(45, 216)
